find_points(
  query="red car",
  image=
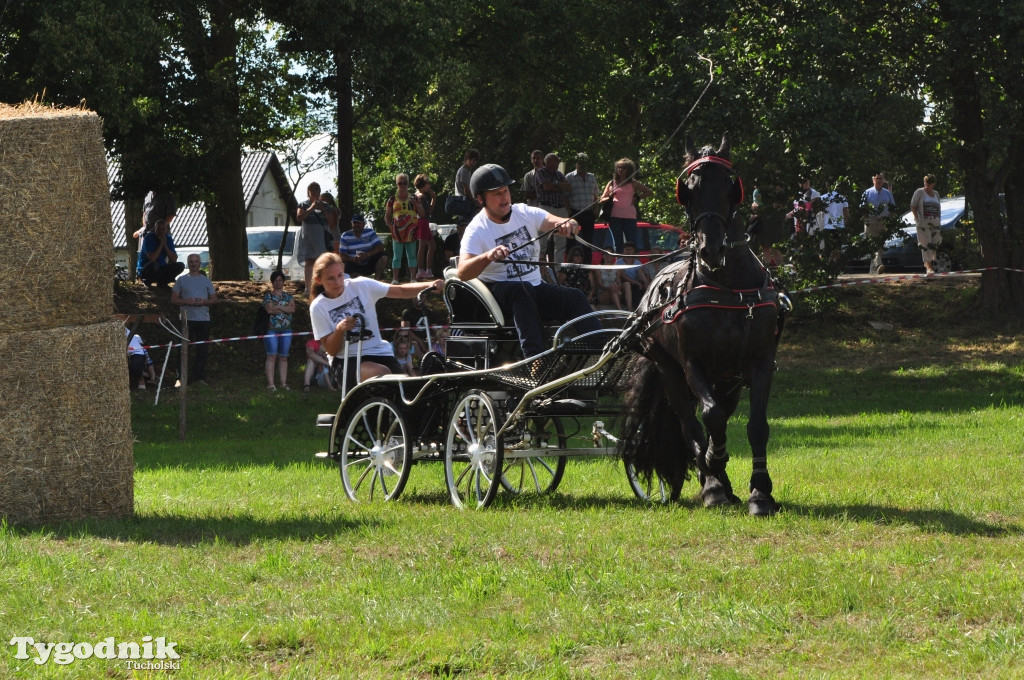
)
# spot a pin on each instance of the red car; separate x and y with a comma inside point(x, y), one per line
point(650, 236)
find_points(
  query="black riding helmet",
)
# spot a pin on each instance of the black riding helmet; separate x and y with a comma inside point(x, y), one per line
point(489, 177)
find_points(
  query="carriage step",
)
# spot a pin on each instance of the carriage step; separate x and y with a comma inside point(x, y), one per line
point(325, 420)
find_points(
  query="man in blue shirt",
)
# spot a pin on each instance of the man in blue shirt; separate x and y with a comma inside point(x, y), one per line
point(877, 202)
point(362, 251)
point(158, 261)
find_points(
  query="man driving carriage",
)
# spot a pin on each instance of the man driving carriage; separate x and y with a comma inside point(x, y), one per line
point(500, 248)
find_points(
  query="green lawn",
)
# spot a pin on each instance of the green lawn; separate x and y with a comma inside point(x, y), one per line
point(898, 554)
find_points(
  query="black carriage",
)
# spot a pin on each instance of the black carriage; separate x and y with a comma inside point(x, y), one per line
point(494, 419)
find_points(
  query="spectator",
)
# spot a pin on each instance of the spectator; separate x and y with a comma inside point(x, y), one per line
point(625, 192)
point(769, 227)
point(831, 219)
point(461, 204)
point(529, 190)
point(318, 367)
point(572, 273)
point(631, 281)
point(417, 346)
point(401, 215)
point(655, 265)
point(362, 251)
point(313, 215)
point(136, 361)
point(413, 317)
point(332, 311)
point(280, 305)
point(583, 203)
point(158, 260)
point(607, 290)
point(440, 341)
point(552, 190)
point(498, 248)
point(452, 243)
point(333, 214)
point(926, 206)
point(194, 294)
point(158, 205)
point(803, 213)
point(877, 202)
point(404, 358)
point(425, 252)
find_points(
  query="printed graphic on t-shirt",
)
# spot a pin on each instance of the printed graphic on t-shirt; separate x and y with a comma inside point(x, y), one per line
point(513, 269)
point(931, 210)
point(347, 309)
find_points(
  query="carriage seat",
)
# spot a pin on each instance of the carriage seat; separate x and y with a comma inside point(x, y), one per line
point(470, 301)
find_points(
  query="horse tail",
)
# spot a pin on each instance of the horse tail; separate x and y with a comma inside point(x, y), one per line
point(652, 434)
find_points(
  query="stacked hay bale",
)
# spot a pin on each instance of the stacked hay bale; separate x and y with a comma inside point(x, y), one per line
point(65, 428)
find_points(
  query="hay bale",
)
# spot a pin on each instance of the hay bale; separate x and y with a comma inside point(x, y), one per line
point(58, 262)
point(65, 424)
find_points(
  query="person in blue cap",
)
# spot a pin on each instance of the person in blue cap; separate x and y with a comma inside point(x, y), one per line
point(362, 251)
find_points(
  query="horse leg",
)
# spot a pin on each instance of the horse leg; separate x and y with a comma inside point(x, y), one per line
point(680, 398)
point(715, 412)
point(761, 502)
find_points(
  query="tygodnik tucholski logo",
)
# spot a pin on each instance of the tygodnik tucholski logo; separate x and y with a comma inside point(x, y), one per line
point(150, 654)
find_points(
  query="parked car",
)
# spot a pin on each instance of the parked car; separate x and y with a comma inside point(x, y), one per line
point(264, 244)
point(204, 257)
point(650, 236)
point(901, 252)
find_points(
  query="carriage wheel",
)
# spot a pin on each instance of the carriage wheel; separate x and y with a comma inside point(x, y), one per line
point(540, 474)
point(375, 452)
point(473, 451)
point(654, 490)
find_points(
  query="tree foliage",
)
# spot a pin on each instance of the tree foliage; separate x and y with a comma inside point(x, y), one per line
point(836, 90)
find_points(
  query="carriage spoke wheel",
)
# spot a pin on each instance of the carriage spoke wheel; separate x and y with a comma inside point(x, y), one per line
point(654, 490)
point(473, 451)
point(539, 474)
point(375, 452)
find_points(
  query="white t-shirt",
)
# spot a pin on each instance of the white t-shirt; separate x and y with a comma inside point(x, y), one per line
point(482, 234)
point(359, 296)
point(832, 215)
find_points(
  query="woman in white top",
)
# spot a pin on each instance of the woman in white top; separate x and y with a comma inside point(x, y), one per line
point(927, 210)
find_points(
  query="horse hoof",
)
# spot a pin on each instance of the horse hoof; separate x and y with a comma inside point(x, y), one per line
point(762, 505)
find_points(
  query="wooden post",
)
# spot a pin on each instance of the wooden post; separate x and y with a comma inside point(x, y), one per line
point(183, 387)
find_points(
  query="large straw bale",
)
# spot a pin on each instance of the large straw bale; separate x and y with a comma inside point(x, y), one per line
point(55, 223)
point(65, 424)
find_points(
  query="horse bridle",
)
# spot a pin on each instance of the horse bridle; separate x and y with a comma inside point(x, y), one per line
point(712, 214)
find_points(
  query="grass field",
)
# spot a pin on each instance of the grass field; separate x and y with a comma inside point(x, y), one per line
point(897, 456)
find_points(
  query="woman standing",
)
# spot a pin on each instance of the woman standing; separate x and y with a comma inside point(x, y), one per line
point(402, 215)
point(425, 253)
point(624, 192)
point(312, 214)
point(280, 306)
point(927, 210)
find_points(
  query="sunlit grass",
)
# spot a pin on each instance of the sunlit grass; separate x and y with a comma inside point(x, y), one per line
point(898, 552)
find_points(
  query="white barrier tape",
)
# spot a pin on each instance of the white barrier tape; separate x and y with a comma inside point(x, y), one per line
point(171, 345)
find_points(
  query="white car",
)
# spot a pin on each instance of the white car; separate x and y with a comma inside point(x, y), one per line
point(264, 244)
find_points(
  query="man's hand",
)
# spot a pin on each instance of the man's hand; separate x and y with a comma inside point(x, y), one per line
point(498, 254)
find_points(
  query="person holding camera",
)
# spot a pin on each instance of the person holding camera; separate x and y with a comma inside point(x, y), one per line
point(314, 215)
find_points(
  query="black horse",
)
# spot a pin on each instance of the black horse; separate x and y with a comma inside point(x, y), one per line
point(708, 326)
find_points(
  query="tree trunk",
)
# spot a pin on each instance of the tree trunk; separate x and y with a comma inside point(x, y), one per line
point(132, 221)
point(343, 95)
point(219, 99)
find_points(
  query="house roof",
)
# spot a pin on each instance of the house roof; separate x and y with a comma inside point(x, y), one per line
point(189, 226)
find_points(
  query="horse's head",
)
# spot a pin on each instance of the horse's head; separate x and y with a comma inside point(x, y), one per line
point(710, 191)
